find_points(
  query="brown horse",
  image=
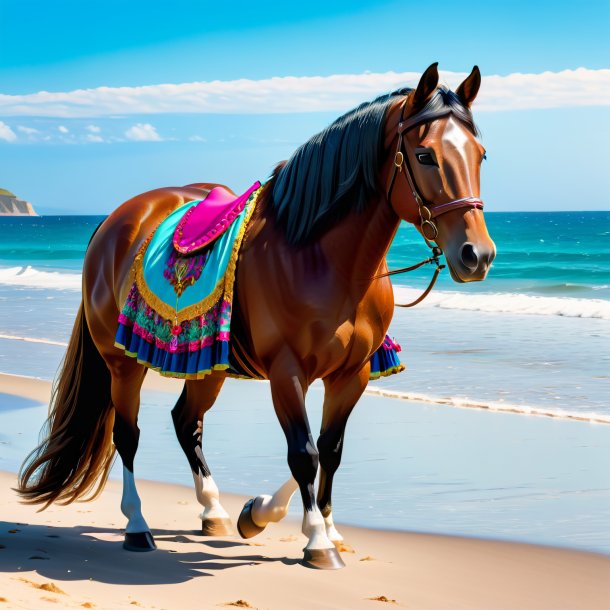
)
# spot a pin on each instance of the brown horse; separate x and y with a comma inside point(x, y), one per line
point(311, 302)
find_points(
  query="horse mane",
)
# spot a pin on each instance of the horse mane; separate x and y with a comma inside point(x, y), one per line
point(336, 171)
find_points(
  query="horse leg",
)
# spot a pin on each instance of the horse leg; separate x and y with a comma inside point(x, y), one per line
point(258, 512)
point(196, 399)
point(341, 395)
point(127, 377)
point(288, 387)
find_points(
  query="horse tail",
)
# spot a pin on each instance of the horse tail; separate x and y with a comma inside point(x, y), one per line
point(75, 457)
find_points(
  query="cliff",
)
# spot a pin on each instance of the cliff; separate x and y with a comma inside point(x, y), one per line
point(10, 205)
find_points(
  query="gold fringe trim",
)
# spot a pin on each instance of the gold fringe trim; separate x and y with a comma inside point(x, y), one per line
point(224, 287)
point(399, 368)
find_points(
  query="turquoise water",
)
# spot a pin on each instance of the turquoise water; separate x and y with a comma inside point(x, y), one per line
point(546, 253)
point(533, 337)
point(539, 253)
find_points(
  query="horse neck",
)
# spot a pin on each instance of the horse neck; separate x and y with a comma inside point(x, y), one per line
point(358, 244)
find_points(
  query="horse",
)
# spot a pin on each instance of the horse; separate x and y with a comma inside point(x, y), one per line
point(312, 301)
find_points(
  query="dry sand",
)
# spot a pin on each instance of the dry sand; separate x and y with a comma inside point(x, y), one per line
point(71, 557)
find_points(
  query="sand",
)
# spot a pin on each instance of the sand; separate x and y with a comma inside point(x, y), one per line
point(72, 557)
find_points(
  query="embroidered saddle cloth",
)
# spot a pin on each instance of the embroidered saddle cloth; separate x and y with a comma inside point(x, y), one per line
point(177, 317)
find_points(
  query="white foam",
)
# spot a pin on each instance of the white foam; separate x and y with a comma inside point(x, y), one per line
point(506, 302)
point(491, 405)
point(33, 340)
point(34, 278)
point(500, 302)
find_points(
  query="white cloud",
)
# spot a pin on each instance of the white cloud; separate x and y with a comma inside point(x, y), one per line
point(197, 139)
point(29, 131)
point(63, 129)
point(93, 128)
point(6, 133)
point(92, 137)
point(569, 88)
point(143, 132)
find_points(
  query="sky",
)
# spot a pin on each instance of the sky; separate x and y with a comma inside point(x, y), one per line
point(100, 101)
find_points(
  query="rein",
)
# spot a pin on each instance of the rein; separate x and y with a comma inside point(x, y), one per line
point(428, 211)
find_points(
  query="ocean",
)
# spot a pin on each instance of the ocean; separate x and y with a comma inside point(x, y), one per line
point(533, 339)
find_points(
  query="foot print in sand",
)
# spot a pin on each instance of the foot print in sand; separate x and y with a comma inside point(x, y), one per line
point(367, 558)
point(382, 598)
point(240, 603)
point(288, 539)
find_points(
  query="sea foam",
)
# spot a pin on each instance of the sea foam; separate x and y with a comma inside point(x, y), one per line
point(491, 405)
point(511, 303)
point(35, 278)
point(499, 302)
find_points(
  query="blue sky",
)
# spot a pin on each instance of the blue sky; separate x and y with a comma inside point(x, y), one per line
point(87, 152)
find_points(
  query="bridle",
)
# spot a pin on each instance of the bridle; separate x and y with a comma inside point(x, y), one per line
point(427, 210)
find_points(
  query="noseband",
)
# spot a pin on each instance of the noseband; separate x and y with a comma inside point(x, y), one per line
point(427, 210)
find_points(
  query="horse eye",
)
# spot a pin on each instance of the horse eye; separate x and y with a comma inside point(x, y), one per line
point(426, 159)
point(485, 157)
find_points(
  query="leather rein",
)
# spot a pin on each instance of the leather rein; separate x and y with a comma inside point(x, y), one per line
point(427, 210)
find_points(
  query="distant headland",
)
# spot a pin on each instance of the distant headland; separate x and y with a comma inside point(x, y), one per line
point(11, 205)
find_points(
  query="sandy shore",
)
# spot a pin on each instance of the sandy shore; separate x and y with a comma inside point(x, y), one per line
point(72, 556)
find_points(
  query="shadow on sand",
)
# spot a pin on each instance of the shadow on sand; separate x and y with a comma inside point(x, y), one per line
point(82, 553)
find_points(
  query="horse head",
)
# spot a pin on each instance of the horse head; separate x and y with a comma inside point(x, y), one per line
point(433, 172)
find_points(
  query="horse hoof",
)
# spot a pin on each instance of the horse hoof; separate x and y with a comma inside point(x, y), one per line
point(142, 542)
point(323, 559)
point(220, 526)
point(245, 524)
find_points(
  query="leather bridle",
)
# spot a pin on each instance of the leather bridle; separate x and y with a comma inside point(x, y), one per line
point(427, 210)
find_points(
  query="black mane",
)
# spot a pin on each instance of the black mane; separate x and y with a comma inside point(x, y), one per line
point(336, 171)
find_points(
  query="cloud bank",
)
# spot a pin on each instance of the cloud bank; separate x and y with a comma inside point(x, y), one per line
point(568, 88)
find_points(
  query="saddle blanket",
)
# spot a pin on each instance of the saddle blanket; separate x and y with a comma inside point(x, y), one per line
point(177, 317)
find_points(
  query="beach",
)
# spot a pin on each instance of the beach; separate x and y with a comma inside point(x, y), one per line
point(476, 479)
point(72, 555)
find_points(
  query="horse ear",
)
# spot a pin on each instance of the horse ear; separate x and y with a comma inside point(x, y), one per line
point(426, 87)
point(468, 90)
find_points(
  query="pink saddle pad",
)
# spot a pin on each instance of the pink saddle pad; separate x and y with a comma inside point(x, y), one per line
point(209, 219)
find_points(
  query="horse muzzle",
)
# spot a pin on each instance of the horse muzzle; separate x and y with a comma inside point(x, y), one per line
point(471, 262)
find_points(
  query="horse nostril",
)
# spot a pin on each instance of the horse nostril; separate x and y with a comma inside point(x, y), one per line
point(469, 256)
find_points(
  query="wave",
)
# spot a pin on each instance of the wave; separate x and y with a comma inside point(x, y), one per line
point(34, 278)
point(491, 405)
point(507, 302)
point(499, 302)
